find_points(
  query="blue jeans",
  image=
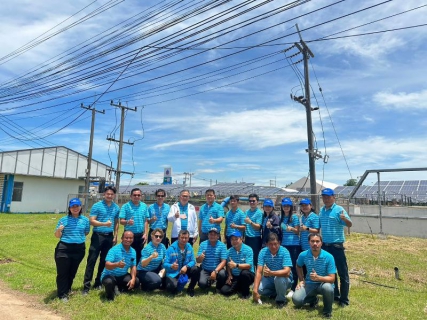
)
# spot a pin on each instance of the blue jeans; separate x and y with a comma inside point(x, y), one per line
point(274, 285)
point(309, 292)
point(337, 251)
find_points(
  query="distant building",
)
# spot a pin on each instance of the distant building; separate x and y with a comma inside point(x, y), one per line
point(303, 185)
point(40, 180)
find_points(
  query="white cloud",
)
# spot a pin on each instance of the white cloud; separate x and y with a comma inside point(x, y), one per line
point(402, 100)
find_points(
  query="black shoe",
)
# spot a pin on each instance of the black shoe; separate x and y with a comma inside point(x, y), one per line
point(245, 297)
point(190, 292)
point(281, 304)
point(327, 315)
point(342, 304)
point(314, 304)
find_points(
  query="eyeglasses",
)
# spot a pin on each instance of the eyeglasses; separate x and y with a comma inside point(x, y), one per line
point(160, 196)
point(252, 201)
point(158, 236)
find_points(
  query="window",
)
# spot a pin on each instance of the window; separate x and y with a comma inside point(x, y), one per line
point(17, 191)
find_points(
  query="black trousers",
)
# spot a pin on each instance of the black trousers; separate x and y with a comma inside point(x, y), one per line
point(121, 282)
point(204, 279)
point(172, 283)
point(255, 243)
point(138, 244)
point(239, 283)
point(165, 240)
point(100, 244)
point(150, 280)
point(67, 258)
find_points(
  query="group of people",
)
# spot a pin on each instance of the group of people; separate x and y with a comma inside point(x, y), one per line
point(282, 256)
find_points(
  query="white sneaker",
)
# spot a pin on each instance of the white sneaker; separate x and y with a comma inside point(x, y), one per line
point(290, 294)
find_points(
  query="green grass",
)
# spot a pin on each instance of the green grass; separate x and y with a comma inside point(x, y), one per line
point(28, 240)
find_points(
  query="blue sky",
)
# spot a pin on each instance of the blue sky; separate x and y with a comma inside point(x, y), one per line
point(221, 110)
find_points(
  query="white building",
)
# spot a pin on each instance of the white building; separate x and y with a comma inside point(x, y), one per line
point(303, 185)
point(40, 180)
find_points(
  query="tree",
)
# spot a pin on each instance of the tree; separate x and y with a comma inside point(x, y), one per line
point(142, 183)
point(350, 182)
point(288, 184)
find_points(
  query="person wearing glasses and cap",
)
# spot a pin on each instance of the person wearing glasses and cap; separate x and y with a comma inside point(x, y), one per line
point(183, 215)
point(70, 250)
point(240, 267)
point(158, 216)
point(333, 219)
point(133, 216)
point(212, 256)
point(119, 274)
point(309, 222)
point(150, 269)
point(291, 241)
point(253, 223)
point(104, 217)
point(270, 222)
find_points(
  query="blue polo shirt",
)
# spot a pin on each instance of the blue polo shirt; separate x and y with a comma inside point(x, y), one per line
point(331, 224)
point(311, 221)
point(213, 254)
point(116, 254)
point(183, 210)
point(184, 258)
point(245, 255)
point(236, 217)
point(324, 264)
point(103, 213)
point(148, 251)
point(279, 261)
point(289, 238)
point(162, 215)
point(256, 217)
point(138, 212)
point(75, 229)
point(215, 211)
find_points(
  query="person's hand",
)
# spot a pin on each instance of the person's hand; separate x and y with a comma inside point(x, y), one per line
point(288, 228)
point(247, 220)
point(177, 214)
point(115, 240)
point(121, 263)
point(202, 256)
point(211, 220)
point(213, 275)
point(268, 224)
point(130, 221)
point(267, 271)
point(175, 265)
point(108, 223)
point(256, 296)
point(154, 255)
point(61, 227)
point(183, 270)
point(153, 219)
point(232, 264)
point(229, 280)
point(144, 238)
point(303, 227)
point(182, 216)
point(342, 216)
point(300, 285)
point(131, 284)
point(313, 275)
point(195, 239)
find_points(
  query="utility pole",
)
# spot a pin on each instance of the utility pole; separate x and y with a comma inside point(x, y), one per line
point(185, 177)
point(121, 142)
point(313, 154)
point(89, 158)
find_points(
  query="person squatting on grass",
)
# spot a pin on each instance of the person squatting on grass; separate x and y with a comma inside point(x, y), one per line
point(319, 279)
point(103, 217)
point(70, 250)
point(116, 277)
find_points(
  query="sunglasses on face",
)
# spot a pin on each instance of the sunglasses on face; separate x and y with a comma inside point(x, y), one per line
point(157, 236)
point(160, 196)
point(136, 195)
point(252, 201)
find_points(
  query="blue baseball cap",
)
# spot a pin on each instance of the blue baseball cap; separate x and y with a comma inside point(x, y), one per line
point(236, 234)
point(75, 202)
point(268, 203)
point(305, 201)
point(287, 202)
point(328, 192)
point(182, 281)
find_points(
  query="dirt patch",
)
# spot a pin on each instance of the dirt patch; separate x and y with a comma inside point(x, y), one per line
point(6, 260)
point(17, 305)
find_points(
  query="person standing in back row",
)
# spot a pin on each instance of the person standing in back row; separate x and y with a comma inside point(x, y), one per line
point(133, 216)
point(333, 218)
point(104, 217)
point(210, 216)
point(253, 222)
point(158, 216)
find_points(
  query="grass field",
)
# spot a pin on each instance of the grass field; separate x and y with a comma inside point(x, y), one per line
point(27, 265)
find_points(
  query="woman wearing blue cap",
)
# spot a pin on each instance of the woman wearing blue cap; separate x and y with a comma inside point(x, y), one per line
point(270, 222)
point(309, 222)
point(70, 250)
point(290, 227)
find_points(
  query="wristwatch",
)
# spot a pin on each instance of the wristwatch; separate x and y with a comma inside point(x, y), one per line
point(306, 228)
point(237, 265)
point(216, 271)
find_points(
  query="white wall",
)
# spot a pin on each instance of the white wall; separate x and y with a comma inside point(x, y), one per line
point(42, 194)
